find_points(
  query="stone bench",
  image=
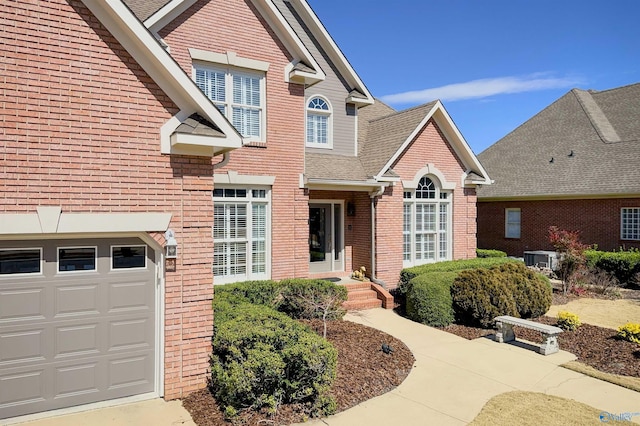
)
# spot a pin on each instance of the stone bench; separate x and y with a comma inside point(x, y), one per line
point(504, 332)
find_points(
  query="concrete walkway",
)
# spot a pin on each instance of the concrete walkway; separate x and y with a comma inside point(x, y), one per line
point(453, 378)
point(451, 381)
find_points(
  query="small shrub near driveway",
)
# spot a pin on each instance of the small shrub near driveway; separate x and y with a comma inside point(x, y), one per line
point(263, 358)
point(624, 265)
point(630, 332)
point(568, 321)
point(429, 299)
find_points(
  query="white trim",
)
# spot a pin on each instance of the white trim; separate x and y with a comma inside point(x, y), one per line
point(167, 13)
point(25, 274)
point(46, 222)
point(228, 58)
point(233, 178)
point(331, 48)
point(453, 138)
point(431, 170)
point(160, 66)
point(116, 270)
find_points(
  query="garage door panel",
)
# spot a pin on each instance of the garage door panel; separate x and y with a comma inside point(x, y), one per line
point(130, 296)
point(74, 338)
point(22, 346)
point(77, 340)
point(20, 303)
point(77, 300)
point(129, 334)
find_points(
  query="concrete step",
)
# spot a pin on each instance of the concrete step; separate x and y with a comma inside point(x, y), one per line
point(362, 295)
point(357, 285)
point(357, 305)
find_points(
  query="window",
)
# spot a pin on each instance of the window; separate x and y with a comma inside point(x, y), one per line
point(128, 257)
point(76, 259)
point(241, 234)
point(426, 224)
point(319, 123)
point(20, 261)
point(512, 223)
point(239, 95)
point(630, 223)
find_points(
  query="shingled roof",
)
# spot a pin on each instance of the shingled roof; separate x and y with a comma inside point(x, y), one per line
point(143, 9)
point(587, 143)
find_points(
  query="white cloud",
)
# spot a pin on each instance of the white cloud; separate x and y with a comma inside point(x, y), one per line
point(483, 88)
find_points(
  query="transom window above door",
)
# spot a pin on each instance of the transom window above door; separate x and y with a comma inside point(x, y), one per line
point(319, 123)
point(239, 95)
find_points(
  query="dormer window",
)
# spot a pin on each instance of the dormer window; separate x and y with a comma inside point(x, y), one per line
point(319, 132)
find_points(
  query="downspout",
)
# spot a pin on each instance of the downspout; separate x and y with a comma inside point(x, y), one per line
point(374, 196)
point(225, 160)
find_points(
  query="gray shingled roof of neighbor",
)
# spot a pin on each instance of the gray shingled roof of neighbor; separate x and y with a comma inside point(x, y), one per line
point(143, 9)
point(587, 143)
point(197, 125)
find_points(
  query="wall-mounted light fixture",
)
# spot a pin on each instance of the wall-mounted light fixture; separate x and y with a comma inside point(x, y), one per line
point(171, 245)
point(351, 209)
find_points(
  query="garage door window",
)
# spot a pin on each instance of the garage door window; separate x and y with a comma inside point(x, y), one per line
point(76, 259)
point(21, 261)
point(128, 257)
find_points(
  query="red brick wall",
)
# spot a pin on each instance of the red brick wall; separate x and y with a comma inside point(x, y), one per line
point(597, 220)
point(80, 129)
point(429, 147)
point(234, 25)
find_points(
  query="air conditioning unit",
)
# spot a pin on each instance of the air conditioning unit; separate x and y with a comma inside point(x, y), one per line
point(541, 259)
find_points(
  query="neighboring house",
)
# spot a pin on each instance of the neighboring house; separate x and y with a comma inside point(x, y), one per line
point(234, 131)
point(574, 165)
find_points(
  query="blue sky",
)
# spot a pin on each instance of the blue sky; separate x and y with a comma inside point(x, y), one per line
point(493, 63)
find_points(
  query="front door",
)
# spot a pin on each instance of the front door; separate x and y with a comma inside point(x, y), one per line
point(325, 237)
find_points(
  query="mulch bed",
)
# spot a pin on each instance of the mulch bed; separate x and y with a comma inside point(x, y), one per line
point(595, 346)
point(364, 371)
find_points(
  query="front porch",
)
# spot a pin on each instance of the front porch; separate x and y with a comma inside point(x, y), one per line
point(362, 294)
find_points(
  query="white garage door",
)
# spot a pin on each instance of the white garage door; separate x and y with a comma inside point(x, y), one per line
point(77, 322)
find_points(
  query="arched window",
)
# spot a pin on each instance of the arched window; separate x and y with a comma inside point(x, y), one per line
point(319, 123)
point(427, 227)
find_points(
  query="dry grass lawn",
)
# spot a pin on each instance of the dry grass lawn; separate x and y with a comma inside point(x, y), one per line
point(601, 312)
point(536, 409)
point(632, 383)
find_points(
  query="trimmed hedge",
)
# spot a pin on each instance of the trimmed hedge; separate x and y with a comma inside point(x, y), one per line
point(624, 265)
point(429, 299)
point(484, 253)
point(408, 274)
point(264, 292)
point(263, 358)
point(479, 295)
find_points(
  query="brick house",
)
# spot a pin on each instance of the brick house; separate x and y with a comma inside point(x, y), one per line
point(574, 165)
point(131, 129)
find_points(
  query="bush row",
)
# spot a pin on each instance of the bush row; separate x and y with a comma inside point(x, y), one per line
point(262, 357)
point(624, 265)
point(482, 253)
point(408, 274)
point(477, 296)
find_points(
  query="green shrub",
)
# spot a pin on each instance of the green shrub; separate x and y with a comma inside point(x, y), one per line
point(531, 291)
point(262, 358)
point(264, 292)
point(309, 299)
point(568, 321)
point(484, 253)
point(480, 295)
point(429, 299)
point(630, 332)
point(624, 265)
point(408, 274)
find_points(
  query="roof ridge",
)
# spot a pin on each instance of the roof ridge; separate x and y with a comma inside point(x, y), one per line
point(395, 113)
point(598, 119)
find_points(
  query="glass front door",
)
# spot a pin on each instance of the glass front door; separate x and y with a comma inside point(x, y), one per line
point(325, 237)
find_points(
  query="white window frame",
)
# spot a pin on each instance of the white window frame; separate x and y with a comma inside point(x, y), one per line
point(414, 206)
point(630, 223)
point(227, 105)
point(140, 268)
point(77, 271)
point(328, 114)
point(249, 200)
point(509, 225)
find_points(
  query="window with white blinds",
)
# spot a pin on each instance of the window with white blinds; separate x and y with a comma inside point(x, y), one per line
point(238, 95)
point(241, 234)
point(319, 132)
point(426, 224)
